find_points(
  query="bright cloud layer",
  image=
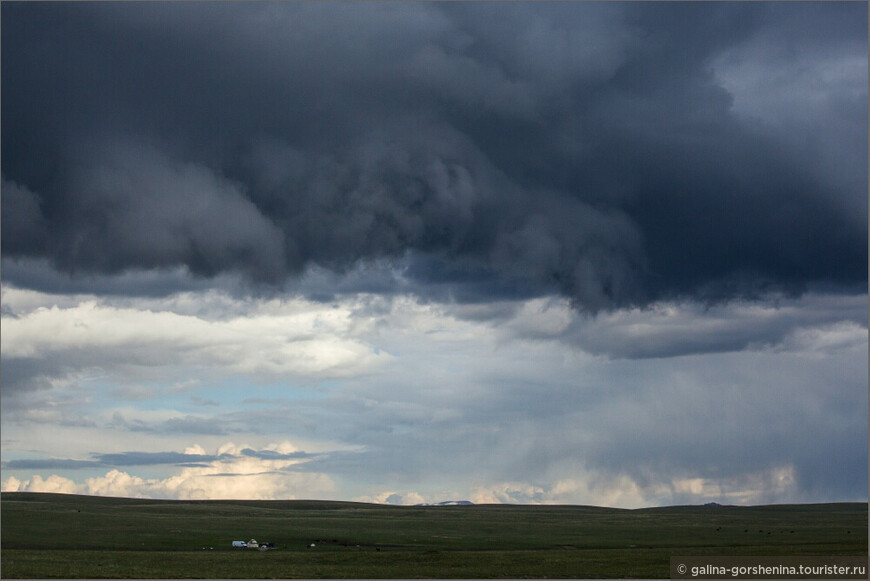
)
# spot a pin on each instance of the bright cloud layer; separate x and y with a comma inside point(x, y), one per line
point(451, 393)
point(277, 338)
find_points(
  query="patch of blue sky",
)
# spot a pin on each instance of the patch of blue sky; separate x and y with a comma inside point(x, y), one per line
point(196, 396)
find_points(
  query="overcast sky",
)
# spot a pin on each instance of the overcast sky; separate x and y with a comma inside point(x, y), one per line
point(593, 253)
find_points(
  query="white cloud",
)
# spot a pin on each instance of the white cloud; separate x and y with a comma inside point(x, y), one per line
point(820, 341)
point(544, 318)
point(232, 477)
point(617, 491)
point(393, 497)
point(273, 339)
point(195, 449)
point(508, 493)
point(53, 483)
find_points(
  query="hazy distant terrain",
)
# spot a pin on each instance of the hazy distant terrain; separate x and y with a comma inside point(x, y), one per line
point(69, 536)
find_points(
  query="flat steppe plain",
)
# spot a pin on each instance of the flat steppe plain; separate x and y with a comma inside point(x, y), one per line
point(69, 536)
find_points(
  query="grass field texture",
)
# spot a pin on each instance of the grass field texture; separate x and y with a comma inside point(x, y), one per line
point(68, 536)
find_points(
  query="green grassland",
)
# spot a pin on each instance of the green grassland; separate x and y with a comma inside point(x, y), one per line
point(68, 536)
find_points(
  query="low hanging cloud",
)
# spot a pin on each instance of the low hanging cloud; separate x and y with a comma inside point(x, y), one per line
point(571, 149)
point(775, 484)
point(269, 474)
point(233, 472)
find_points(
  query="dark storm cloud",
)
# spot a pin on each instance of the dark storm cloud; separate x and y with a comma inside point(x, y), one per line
point(39, 274)
point(23, 225)
point(587, 149)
